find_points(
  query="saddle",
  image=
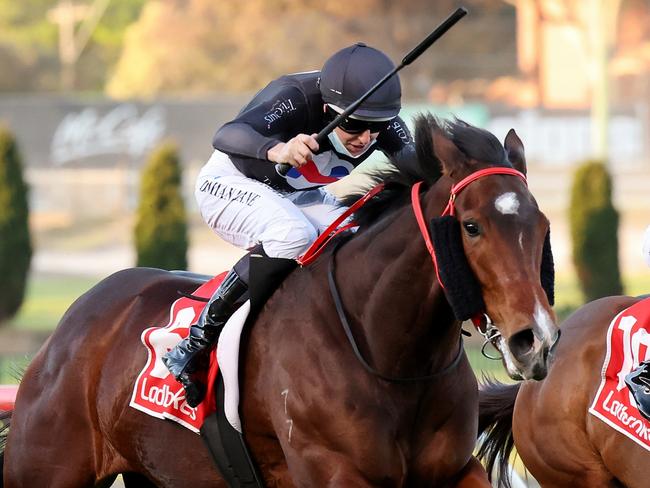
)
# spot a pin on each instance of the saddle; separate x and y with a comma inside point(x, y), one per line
point(216, 418)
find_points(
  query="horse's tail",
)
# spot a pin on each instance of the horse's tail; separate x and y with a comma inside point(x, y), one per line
point(5, 418)
point(496, 406)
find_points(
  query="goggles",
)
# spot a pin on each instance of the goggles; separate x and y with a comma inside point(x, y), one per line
point(358, 126)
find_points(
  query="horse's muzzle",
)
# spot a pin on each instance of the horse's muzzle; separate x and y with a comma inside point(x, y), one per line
point(529, 353)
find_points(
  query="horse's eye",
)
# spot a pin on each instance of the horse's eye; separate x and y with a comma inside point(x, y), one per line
point(471, 228)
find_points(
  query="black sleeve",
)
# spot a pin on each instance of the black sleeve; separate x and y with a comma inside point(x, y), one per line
point(397, 143)
point(395, 138)
point(276, 114)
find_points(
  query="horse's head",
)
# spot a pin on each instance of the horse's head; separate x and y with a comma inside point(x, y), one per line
point(504, 238)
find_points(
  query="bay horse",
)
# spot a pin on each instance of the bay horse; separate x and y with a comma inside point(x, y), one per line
point(313, 416)
point(549, 422)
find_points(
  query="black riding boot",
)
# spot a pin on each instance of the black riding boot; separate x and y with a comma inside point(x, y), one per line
point(638, 381)
point(192, 353)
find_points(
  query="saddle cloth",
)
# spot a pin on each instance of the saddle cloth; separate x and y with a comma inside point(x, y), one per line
point(628, 344)
point(158, 394)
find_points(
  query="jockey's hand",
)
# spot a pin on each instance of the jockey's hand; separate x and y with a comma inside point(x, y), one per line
point(296, 151)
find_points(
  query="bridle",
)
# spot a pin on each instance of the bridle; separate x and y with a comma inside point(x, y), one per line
point(481, 321)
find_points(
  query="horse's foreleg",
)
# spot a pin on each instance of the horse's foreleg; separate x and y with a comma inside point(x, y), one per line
point(473, 475)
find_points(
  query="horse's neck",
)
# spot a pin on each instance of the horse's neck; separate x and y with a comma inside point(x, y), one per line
point(390, 291)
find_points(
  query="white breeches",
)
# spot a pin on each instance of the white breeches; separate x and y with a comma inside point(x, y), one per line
point(246, 212)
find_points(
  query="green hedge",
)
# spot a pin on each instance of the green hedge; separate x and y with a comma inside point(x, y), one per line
point(15, 240)
point(594, 232)
point(161, 228)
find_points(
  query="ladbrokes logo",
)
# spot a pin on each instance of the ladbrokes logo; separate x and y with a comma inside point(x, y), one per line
point(628, 344)
point(166, 398)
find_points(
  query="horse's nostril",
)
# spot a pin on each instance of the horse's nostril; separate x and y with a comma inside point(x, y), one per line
point(521, 343)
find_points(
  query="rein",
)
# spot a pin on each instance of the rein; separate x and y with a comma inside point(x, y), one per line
point(333, 229)
point(348, 332)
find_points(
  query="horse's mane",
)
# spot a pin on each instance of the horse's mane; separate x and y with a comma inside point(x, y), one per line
point(421, 164)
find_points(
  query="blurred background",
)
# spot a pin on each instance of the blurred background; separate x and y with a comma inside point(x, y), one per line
point(95, 93)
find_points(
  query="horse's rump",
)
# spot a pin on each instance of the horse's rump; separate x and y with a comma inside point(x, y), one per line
point(80, 382)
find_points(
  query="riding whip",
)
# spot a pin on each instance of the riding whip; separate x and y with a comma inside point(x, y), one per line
point(437, 33)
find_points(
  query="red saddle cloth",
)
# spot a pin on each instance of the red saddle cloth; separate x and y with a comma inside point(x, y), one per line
point(156, 392)
point(7, 397)
point(628, 344)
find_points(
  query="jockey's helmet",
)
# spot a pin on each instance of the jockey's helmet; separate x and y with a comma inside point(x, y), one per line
point(351, 72)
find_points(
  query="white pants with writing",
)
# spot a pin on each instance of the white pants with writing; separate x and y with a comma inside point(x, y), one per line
point(246, 212)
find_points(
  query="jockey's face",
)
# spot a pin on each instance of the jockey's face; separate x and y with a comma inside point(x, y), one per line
point(356, 143)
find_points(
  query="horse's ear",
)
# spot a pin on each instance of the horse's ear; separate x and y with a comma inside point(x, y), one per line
point(515, 150)
point(454, 162)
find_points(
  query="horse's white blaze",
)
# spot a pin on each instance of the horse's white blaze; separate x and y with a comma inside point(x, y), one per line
point(544, 321)
point(290, 422)
point(521, 241)
point(507, 357)
point(508, 203)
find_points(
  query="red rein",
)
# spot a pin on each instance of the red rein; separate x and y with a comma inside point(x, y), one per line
point(328, 234)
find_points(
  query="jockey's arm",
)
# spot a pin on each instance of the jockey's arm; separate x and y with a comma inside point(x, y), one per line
point(274, 116)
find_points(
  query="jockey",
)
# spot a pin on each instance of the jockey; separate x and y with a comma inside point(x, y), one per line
point(247, 202)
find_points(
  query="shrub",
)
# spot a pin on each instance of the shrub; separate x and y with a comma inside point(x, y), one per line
point(594, 232)
point(15, 240)
point(161, 227)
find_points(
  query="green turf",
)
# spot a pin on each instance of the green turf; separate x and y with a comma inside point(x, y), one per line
point(47, 299)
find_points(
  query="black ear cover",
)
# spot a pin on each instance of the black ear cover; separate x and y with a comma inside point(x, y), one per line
point(547, 271)
point(462, 289)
